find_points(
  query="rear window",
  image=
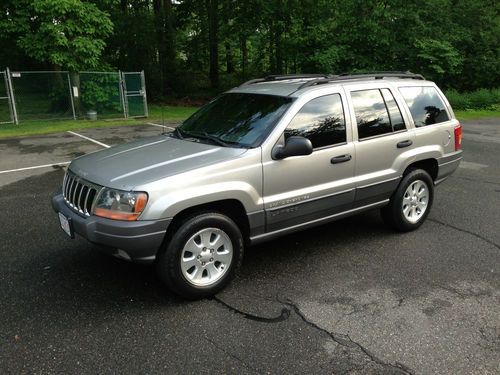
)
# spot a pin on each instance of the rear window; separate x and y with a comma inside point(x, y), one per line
point(425, 105)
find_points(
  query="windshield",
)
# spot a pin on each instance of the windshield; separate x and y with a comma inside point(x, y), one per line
point(236, 119)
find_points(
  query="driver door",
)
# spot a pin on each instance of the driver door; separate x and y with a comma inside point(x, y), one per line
point(301, 189)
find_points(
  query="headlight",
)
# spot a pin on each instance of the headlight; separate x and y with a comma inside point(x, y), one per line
point(120, 205)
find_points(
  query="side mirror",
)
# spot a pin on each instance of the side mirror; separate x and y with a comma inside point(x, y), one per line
point(294, 146)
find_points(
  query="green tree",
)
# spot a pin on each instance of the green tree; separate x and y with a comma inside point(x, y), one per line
point(66, 34)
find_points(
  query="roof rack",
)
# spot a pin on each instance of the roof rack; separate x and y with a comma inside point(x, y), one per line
point(284, 77)
point(353, 76)
point(382, 74)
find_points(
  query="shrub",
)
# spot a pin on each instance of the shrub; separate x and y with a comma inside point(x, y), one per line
point(479, 99)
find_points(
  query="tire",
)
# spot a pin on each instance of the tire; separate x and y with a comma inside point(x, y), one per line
point(411, 202)
point(202, 256)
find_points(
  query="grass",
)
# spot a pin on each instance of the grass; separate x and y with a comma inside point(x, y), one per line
point(157, 114)
point(474, 114)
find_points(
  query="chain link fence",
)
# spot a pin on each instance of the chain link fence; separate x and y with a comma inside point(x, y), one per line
point(28, 96)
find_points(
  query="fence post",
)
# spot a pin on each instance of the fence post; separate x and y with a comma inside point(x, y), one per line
point(144, 99)
point(123, 94)
point(12, 99)
point(71, 96)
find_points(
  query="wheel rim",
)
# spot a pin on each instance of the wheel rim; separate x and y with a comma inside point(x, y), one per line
point(206, 257)
point(415, 201)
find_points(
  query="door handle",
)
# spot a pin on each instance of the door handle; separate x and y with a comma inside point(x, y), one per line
point(340, 159)
point(406, 143)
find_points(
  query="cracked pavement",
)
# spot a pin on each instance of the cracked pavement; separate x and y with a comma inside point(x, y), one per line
point(350, 297)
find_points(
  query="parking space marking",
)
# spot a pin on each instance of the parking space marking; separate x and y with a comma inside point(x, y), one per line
point(471, 165)
point(89, 139)
point(35, 167)
point(161, 126)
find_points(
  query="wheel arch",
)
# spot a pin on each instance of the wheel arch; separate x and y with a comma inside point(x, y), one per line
point(232, 208)
point(429, 165)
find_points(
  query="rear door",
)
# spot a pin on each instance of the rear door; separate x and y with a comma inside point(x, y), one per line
point(383, 142)
point(302, 189)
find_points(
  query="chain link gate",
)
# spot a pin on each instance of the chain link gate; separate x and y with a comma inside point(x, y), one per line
point(7, 111)
point(134, 94)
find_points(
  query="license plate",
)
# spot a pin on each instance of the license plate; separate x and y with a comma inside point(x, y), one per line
point(65, 225)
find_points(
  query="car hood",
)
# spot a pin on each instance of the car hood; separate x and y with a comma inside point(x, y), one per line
point(137, 163)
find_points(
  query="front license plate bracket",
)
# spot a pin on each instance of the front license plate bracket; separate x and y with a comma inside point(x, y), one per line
point(66, 225)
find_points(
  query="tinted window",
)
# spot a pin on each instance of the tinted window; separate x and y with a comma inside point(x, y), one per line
point(371, 114)
point(394, 112)
point(321, 120)
point(425, 105)
point(243, 119)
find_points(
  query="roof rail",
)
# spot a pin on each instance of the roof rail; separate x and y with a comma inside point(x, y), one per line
point(353, 76)
point(283, 77)
point(381, 74)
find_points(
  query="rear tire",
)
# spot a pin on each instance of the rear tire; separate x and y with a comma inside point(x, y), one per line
point(202, 256)
point(411, 202)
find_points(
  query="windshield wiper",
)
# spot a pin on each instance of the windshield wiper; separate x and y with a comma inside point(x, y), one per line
point(205, 135)
point(215, 139)
point(178, 132)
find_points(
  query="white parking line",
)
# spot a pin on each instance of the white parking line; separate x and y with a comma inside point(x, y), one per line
point(89, 139)
point(471, 165)
point(36, 167)
point(161, 126)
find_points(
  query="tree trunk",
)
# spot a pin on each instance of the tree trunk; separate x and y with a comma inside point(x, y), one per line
point(213, 44)
point(165, 42)
point(229, 58)
point(244, 54)
point(272, 56)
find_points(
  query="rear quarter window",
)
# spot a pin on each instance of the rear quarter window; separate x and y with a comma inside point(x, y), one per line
point(425, 105)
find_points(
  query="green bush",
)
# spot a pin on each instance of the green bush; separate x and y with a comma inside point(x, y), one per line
point(480, 99)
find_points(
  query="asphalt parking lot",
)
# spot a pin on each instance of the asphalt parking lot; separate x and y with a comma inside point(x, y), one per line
point(347, 297)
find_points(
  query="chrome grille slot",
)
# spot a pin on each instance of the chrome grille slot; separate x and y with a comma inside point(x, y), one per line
point(79, 194)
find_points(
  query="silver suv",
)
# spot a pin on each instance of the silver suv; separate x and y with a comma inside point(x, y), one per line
point(272, 156)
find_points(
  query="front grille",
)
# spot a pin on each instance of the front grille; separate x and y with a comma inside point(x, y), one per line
point(79, 194)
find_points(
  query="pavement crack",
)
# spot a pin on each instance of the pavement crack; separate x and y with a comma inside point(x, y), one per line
point(285, 313)
point(346, 341)
point(466, 231)
point(238, 359)
point(466, 293)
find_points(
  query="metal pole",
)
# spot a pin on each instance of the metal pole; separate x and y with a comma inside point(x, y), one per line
point(71, 97)
point(121, 86)
point(12, 98)
point(144, 98)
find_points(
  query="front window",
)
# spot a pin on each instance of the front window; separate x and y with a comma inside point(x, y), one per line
point(236, 119)
point(321, 121)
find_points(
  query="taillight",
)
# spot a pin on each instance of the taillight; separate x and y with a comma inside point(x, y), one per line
point(458, 137)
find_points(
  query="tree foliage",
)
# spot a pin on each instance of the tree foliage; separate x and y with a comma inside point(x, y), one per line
point(63, 33)
point(188, 46)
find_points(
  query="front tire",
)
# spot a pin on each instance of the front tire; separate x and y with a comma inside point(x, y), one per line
point(411, 202)
point(202, 256)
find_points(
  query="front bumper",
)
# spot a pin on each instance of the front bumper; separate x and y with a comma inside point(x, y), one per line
point(134, 240)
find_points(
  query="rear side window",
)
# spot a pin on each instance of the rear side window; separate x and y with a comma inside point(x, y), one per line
point(394, 112)
point(376, 113)
point(321, 121)
point(425, 105)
